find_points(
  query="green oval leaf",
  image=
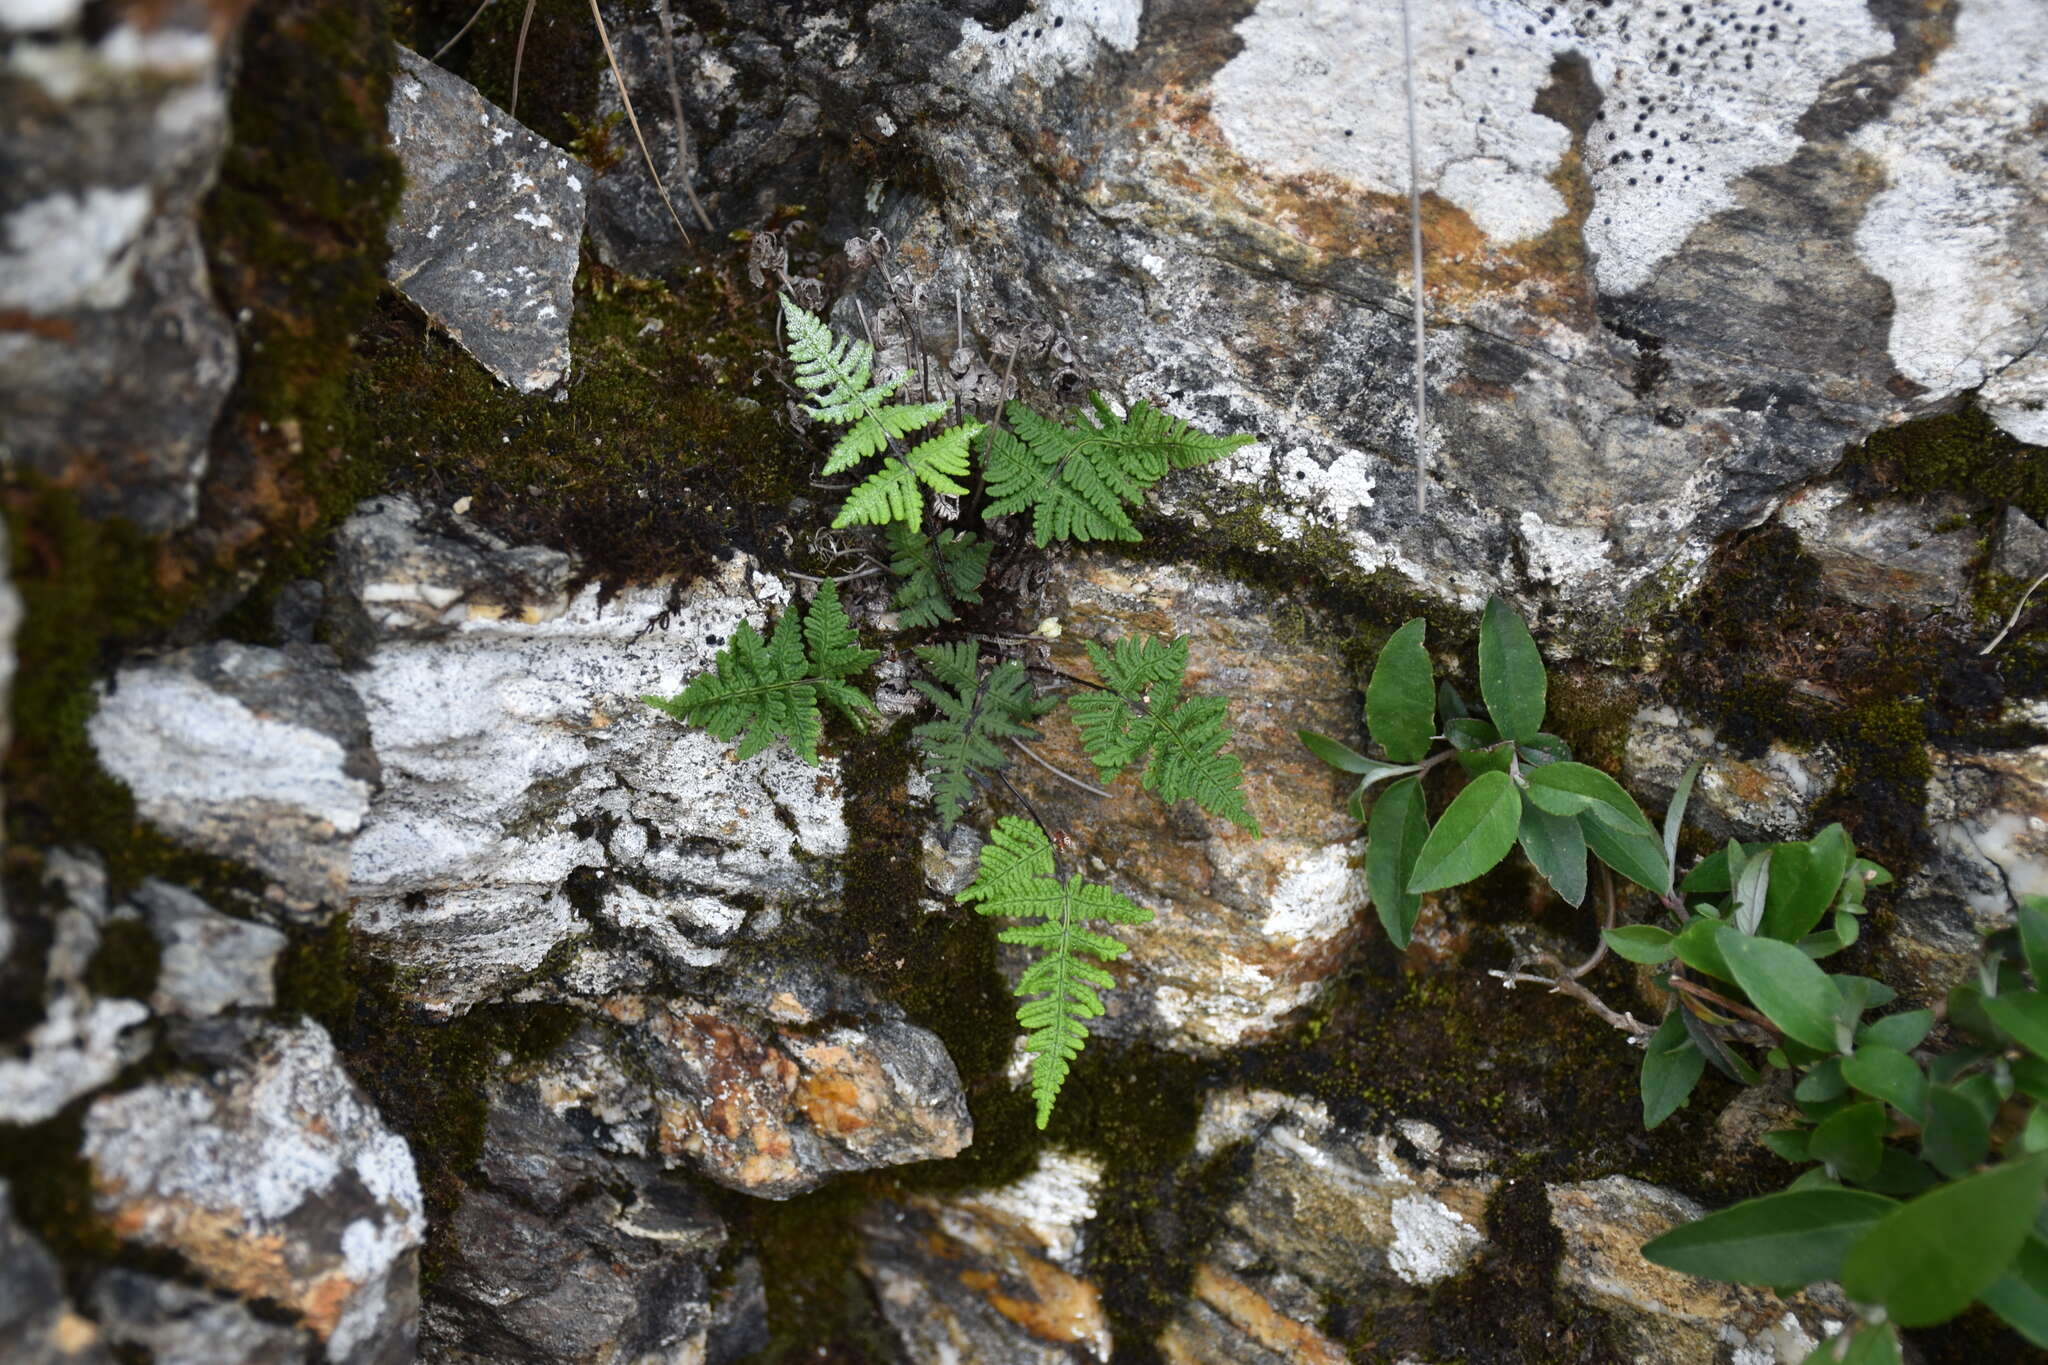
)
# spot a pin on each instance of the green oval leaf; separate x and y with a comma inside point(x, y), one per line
point(1957, 1137)
point(1927, 1259)
point(1786, 1239)
point(1852, 1140)
point(1474, 834)
point(1569, 788)
point(2034, 936)
point(1804, 880)
point(1698, 946)
point(1511, 677)
point(1400, 700)
point(1558, 851)
point(1783, 982)
point(1342, 757)
point(1671, 1068)
point(1888, 1074)
point(1394, 837)
point(1644, 943)
point(2020, 1296)
point(1638, 857)
point(2023, 1017)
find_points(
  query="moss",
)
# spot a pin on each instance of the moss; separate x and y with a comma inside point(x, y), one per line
point(560, 68)
point(50, 1187)
point(1959, 452)
point(127, 962)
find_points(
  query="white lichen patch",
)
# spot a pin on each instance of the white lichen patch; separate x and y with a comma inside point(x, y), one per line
point(1053, 1201)
point(68, 251)
point(1431, 1242)
point(1319, 894)
point(78, 1047)
point(1695, 96)
point(1047, 41)
point(1961, 231)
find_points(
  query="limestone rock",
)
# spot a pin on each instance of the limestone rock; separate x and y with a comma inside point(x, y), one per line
point(991, 1274)
point(519, 761)
point(37, 1321)
point(210, 962)
point(1769, 797)
point(1246, 930)
point(487, 235)
point(1324, 1216)
point(114, 357)
point(179, 1325)
point(1663, 1315)
point(2020, 548)
point(273, 1179)
point(563, 1253)
point(256, 754)
point(1915, 554)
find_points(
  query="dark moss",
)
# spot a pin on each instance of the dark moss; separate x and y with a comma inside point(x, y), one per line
point(50, 1185)
point(560, 66)
point(1958, 452)
point(126, 963)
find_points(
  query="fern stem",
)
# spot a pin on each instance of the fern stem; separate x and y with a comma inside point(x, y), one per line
point(1058, 772)
point(839, 578)
point(1037, 819)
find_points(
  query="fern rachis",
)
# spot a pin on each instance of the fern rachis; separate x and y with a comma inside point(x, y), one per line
point(975, 714)
point(1019, 878)
point(765, 690)
point(939, 572)
point(1142, 712)
point(838, 373)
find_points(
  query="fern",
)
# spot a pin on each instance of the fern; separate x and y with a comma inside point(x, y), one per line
point(836, 372)
point(1143, 713)
point(1077, 480)
point(938, 572)
point(764, 690)
point(976, 713)
point(1019, 879)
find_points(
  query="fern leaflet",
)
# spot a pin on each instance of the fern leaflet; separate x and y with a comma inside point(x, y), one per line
point(1077, 480)
point(838, 373)
point(1143, 712)
point(975, 715)
point(764, 690)
point(1019, 879)
point(938, 572)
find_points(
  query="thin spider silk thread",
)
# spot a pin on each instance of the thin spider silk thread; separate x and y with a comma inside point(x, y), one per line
point(1415, 253)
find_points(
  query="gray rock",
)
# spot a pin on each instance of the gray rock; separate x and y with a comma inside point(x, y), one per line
point(37, 1321)
point(10, 621)
point(210, 961)
point(1664, 1315)
point(487, 235)
point(273, 1178)
point(1769, 797)
point(1915, 554)
point(562, 1252)
point(2020, 547)
point(255, 754)
point(180, 1325)
point(517, 756)
point(114, 358)
point(990, 1274)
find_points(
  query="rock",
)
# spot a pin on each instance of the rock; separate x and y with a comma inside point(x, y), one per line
point(773, 1103)
point(487, 235)
point(2020, 548)
point(273, 1179)
point(1323, 1216)
point(1915, 554)
point(211, 962)
point(36, 1320)
point(1663, 1315)
point(256, 754)
point(1773, 796)
point(2017, 398)
point(561, 1252)
point(519, 762)
point(179, 1325)
point(1988, 815)
point(80, 1045)
point(10, 622)
point(114, 358)
point(1247, 930)
point(991, 1274)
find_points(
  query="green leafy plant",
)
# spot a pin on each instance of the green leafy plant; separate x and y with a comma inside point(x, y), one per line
point(976, 712)
point(1926, 1171)
point(838, 372)
point(764, 690)
point(1018, 879)
point(1142, 715)
point(939, 572)
point(1077, 480)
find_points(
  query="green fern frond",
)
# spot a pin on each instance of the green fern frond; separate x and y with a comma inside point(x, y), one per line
point(1019, 879)
point(766, 690)
point(1077, 480)
point(1143, 712)
point(938, 572)
point(975, 715)
point(838, 373)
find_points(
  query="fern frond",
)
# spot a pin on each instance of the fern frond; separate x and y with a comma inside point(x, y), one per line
point(938, 572)
point(838, 373)
point(766, 690)
point(1143, 713)
point(975, 715)
point(1019, 879)
point(1077, 480)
